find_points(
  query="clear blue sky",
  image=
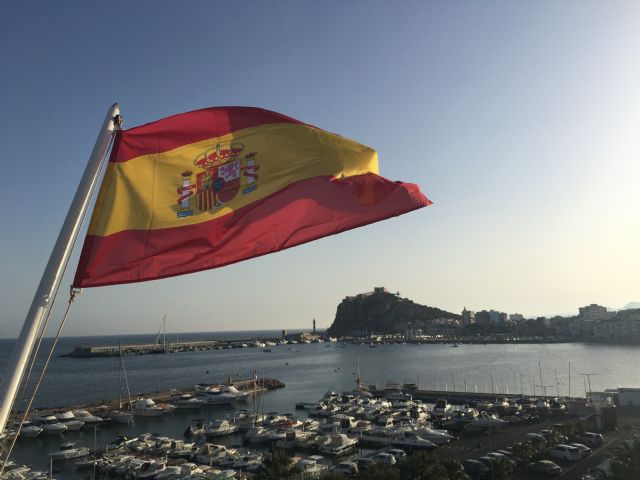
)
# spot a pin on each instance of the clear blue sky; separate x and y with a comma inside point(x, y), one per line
point(520, 120)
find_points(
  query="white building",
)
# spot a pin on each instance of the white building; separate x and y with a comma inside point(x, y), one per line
point(594, 313)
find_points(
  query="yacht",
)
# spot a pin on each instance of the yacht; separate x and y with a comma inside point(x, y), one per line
point(442, 408)
point(337, 444)
point(224, 394)
point(68, 451)
point(122, 417)
point(187, 401)
point(87, 418)
point(439, 437)
point(151, 469)
point(484, 420)
point(29, 430)
point(70, 420)
point(51, 425)
point(311, 467)
point(220, 428)
point(145, 407)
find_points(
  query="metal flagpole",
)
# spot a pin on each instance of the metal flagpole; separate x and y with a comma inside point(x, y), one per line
point(53, 272)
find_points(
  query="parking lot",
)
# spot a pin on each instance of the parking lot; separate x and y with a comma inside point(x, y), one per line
point(478, 444)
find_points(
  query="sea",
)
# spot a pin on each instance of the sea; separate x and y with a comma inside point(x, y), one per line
point(308, 371)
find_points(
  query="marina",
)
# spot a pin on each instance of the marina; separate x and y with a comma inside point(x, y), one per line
point(308, 371)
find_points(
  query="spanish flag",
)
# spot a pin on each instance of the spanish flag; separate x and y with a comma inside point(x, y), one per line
point(212, 187)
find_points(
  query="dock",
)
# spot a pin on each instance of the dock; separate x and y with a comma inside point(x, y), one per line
point(160, 348)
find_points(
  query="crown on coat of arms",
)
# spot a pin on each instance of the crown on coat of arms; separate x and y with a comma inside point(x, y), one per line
point(221, 153)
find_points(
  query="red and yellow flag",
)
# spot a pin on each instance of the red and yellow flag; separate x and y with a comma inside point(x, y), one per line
point(208, 188)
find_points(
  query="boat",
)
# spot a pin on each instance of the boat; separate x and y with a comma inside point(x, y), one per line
point(86, 417)
point(29, 430)
point(70, 420)
point(311, 467)
point(122, 415)
point(51, 425)
point(151, 469)
point(187, 401)
point(442, 408)
point(485, 420)
point(145, 407)
point(337, 444)
point(224, 394)
point(220, 428)
point(68, 451)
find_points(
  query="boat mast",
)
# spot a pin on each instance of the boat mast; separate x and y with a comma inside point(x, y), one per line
point(54, 270)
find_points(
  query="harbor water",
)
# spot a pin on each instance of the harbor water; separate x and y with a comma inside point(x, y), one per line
point(308, 370)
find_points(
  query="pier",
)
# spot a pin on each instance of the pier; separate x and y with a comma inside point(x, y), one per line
point(159, 348)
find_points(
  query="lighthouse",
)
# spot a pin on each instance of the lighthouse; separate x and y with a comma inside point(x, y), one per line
point(314, 326)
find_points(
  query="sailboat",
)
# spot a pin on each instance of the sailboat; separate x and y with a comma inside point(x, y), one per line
point(121, 415)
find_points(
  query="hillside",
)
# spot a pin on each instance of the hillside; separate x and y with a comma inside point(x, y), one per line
point(382, 312)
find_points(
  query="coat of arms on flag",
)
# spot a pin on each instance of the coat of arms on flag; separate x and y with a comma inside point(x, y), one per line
point(224, 167)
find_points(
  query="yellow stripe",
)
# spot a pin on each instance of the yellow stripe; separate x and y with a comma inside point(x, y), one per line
point(141, 194)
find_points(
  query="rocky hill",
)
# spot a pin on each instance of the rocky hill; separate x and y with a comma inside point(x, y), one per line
point(382, 312)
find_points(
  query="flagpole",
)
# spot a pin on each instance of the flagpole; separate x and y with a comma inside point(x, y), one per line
point(53, 272)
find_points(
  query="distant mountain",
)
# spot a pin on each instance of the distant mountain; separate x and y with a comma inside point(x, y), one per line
point(382, 312)
point(631, 305)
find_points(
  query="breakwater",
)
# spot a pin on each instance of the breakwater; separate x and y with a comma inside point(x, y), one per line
point(160, 348)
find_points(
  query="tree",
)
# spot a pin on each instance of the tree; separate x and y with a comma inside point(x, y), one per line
point(454, 469)
point(380, 471)
point(422, 466)
point(277, 466)
point(626, 462)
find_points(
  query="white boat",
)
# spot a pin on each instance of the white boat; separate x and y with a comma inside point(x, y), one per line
point(87, 418)
point(224, 394)
point(70, 420)
point(187, 401)
point(311, 467)
point(151, 469)
point(442, 408)
point(145, 407)
point(122, 417)
point(68, 451)
point(29, 430)
point(484, 420)
point(337, 444)
point(51, 425)
point(438, 437)
point(220, 428)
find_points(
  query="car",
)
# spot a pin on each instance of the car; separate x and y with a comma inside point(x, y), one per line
point(363, 463)
point(503, 457)
point(476, 469)
point(385, 458)
point(348, 469)
point(398, 453)
point(584, 450)
point(565, 452)
point(591, 439)
point(536, 437)
point(549, 434)
point(546, 467)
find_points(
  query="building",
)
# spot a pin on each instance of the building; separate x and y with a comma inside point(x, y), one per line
point(516, 317)
point(468, 317)
point(594, 313)
point(497, 318)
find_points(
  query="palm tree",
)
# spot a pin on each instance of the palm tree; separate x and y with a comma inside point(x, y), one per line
point(380, 471)
point(454, 469)
point(422, 466)
point(277, 466)
point(626, 462)
point(524, 452)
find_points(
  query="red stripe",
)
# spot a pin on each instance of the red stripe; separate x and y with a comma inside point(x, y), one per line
point(185, 128)
point(301, 212)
